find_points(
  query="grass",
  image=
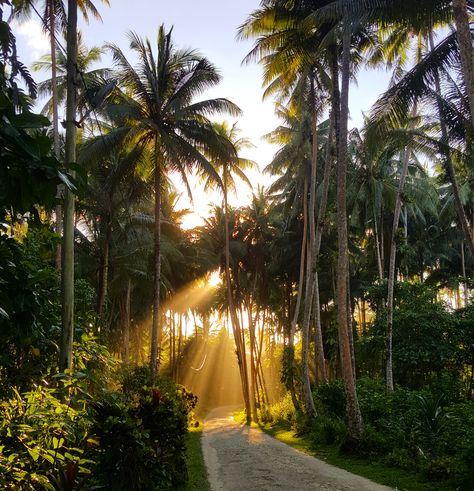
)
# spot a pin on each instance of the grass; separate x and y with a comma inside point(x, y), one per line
point(197, 473)
point(390, 476)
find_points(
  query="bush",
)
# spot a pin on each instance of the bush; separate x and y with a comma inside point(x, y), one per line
point(142, 434)
point(43, 434)
point(330, 398)
point(423, 335)
point(282, 411)
point(82, 430)
point(328, 430)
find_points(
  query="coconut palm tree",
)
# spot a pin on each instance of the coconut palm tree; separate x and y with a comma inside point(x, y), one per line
point(94, 80)
point(227, 166)
point(112, 188)
point(293, 38)
point(159, 110)
point(53, 15)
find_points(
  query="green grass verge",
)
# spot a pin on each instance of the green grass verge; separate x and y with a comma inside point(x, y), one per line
point(373, 470)
point(197, 473)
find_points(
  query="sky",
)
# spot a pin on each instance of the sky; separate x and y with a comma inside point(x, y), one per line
point(210, 26)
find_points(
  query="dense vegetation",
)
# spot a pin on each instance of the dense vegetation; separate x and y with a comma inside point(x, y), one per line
point(346, 285)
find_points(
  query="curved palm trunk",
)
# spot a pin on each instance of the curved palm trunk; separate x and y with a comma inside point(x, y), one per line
point(377, 247)
point(54, 90)
point(104, 273)
point(253, 389)
point(156, 324)
point(291, 340)
point(449, 167)
point(126, 324)
point(236, 329)
point(354, 417)
point(67, 271)
point(318, 335)
point(391, 268)
point(464, 276)
point(464, 36)
point(320, 358)
point(311, 264)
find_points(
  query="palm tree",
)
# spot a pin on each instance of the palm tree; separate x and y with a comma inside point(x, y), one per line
point(463, 32)
point(294, 37)
point(159, 111)
point(93, 80)
point(291, 164)
point(113, 188)
point(54, 19)
point(54, 10)
point(227, 166)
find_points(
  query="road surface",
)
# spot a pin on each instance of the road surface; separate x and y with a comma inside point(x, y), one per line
point(240, 458)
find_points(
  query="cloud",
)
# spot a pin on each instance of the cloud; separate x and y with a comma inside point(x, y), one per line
point(31, 33)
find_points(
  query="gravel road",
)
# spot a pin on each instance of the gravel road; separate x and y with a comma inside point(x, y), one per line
point(239, 458)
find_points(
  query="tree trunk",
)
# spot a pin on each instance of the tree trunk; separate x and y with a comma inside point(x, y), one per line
point(54, 90)
point(318, 341)
point(156, 324)
point(126, 324)
point(354, 417)
point(377, 247)
point(463, 34)
point(291, 341)
point(67, 270)
point(321, 362)
point(236, 329)
point(448, 165)
point(464, 276)
point(310, 409)
point(104, 273)
point(391, 270)
point(253, 369)
point(350, 322)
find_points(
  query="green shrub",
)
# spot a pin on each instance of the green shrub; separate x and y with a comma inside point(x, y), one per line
point(402, 458)
point(43, 434)
point(282, 411)
point(330, 398)
point(142, 434)
point(328, 430)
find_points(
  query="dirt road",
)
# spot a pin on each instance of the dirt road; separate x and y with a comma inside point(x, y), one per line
point(239, 458)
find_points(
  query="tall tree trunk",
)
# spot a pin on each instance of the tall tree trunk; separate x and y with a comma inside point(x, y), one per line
point(126, 324)
point(321, 361)
point(253, 369)
point(310, 409)
point(318, 335)
point(377, 247)
point(391, 270)
point(464, 36)
point(67, 270)
point(464, 276)
point(156, 324)
point(350, 322)
point(54, 90)
point(104, 272)
point(291, 342)
point(354, 417)
point(448, 164)
point(236, 328)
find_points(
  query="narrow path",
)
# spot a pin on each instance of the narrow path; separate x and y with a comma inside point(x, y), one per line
point(239, 458)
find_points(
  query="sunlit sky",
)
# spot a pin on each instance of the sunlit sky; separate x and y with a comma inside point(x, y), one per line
point(209, 26)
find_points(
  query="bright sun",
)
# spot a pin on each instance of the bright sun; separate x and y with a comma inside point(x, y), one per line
point(191, 220)
point(214, 278)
